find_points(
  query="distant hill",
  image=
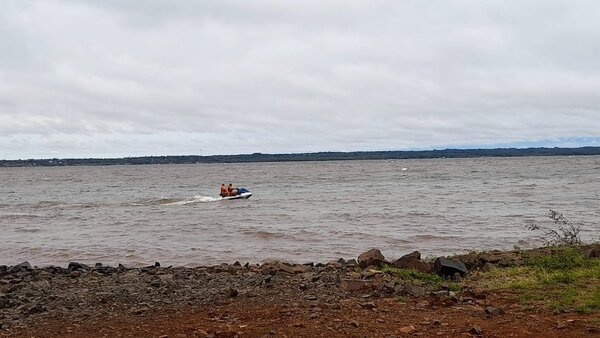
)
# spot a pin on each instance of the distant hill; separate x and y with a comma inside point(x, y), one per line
point(320, 156)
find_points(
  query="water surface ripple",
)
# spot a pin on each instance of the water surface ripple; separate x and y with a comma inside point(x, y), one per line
point(302, 211)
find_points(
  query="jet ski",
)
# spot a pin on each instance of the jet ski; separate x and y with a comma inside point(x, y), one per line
point(243, 193)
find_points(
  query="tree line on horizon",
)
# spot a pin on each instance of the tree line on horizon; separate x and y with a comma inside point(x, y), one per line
point(318, 156)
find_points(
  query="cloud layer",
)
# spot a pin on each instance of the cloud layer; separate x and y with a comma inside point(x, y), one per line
point(127, 78)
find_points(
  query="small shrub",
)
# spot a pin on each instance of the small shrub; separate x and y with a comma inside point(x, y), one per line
point(566, 233)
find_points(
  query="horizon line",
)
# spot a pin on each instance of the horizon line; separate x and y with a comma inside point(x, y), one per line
point(308, 153)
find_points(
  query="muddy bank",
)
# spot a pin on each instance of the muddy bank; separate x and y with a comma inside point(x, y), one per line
point(367, 296)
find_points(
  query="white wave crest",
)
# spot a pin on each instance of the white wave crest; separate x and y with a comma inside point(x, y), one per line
point(195, 199)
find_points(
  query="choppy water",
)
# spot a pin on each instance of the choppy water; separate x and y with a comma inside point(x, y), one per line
point(305, 211)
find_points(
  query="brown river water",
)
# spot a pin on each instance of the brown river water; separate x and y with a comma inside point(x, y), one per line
point(299, 212)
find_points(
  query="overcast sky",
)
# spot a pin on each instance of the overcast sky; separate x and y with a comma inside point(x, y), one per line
point(129, 78)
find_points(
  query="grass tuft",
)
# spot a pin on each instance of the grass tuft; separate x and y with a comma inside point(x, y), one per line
point(565, 258)
point(564, 280)
point(427, 279)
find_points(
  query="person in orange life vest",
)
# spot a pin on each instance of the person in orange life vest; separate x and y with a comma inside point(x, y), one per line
point(224, 191)
point(231, 190)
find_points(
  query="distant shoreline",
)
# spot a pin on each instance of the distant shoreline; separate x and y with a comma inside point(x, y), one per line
point(299, 157)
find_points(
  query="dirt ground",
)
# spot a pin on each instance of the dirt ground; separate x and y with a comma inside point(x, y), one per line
point(354, 317)
point(275, 299)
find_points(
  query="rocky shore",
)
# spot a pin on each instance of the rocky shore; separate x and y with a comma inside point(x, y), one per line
point(367, 296)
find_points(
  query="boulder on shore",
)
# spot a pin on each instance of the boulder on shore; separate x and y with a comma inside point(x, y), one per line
point(21, 267)
point(373, 257)
point(73, 266)
point(448, 267)
point(592, 252)
point(412, 261)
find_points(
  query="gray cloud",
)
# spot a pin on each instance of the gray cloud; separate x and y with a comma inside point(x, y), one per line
point(126, 78)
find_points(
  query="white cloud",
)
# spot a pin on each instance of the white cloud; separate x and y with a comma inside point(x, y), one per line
point(119, 78)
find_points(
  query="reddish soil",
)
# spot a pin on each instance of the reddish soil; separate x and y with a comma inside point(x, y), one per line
point(353, 317)
point(275, 299)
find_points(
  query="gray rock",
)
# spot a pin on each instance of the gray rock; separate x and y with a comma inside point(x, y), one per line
point(42, 285)
point(490, 310)
point(390, 285)
point(592, 252)
point(55, 270)
point(334, 264)
point(441, 293)
point(352, 285)
point(413, 255)
point(352, 262)
point(231, 292)
point(155, 282)
point(411, 262)
point(33, 309)
point(310, 297)
point(448, 267)
point(498, 257)
point(4, 302)
point(354, 323)
point(21, 267)
point(78, 266)
point(369, 274)
point(476, 330)
point(104, 269)
point(414, 290)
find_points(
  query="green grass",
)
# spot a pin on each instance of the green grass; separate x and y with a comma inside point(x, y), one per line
point(565, 299)
point(590, 303)
point(424, 278)
point(528, 297)
point(412, 274)
point(565, 258)
point(564, 280)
